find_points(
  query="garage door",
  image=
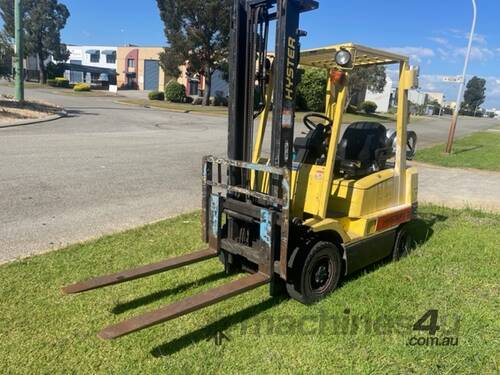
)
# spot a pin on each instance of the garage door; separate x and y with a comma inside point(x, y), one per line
point(151, 74)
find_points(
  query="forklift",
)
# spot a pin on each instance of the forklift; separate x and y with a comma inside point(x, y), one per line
point(318, 207)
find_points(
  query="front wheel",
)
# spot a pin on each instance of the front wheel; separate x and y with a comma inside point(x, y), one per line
point(318, 275)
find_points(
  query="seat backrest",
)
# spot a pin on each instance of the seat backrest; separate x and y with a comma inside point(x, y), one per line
point(361, 140)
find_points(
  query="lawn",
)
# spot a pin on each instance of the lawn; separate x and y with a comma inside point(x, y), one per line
point(222, 111)
point(478, 150)
point(455, 269)
point(177, 107)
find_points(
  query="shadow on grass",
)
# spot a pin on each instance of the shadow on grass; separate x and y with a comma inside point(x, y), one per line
point(420, 231)
point(210, 331)
point(150, 298)
point(460, 150)
point(421, 228)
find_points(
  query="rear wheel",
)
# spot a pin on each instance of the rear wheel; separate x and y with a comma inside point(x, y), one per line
point(317, 275)
point(403, 244)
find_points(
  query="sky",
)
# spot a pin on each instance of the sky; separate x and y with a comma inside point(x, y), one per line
point(432, 32)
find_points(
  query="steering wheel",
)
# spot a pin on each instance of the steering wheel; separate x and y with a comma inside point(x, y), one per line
point(311, 125)
point(411, 144)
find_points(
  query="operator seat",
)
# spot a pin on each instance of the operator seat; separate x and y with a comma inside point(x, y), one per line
point(362, 150)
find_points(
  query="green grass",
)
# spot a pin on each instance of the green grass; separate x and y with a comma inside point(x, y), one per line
point(478, 150)
point(63, 91)
point(222, 111)
point(178, 107)
point(27, 85)
point(91, 93)
point(454, 270)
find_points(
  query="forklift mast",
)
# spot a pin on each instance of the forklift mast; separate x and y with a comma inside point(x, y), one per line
point(252, 72)
point(249, 64)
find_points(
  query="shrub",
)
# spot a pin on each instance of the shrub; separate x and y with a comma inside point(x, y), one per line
point(311, 90)
point(81, 87)
point(220, 101)
point(188, 100)
point(58, 82)
point(175, 92)
point(197, 101)
point(156, 95)
point(368, 107)
point(351, 108)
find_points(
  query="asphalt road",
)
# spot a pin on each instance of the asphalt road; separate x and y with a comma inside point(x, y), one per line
point(108, 167)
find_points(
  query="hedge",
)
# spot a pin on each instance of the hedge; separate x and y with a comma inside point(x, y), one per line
point(58, 82)
point(81, 87)
point(156, 95)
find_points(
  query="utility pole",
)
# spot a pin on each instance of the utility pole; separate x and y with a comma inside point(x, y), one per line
point(19, 35)
point(454, 120)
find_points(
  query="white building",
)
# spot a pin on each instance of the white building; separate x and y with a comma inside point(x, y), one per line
point(451, 104)
point(438, 96)
point(417, 97)
point(382, 99)
point(92, 57)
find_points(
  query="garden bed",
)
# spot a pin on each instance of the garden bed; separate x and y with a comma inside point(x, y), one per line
point(12, 110)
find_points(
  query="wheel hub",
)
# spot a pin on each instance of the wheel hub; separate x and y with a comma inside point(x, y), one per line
point(321, 275)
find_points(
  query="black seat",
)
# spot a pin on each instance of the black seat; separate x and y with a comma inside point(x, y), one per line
point(362, 150)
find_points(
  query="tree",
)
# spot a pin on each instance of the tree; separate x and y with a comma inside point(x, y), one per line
point(474, 95)
point(311, 90)
point(6, 55)
point(198, 33)
point(436, 107)
point(373, 78)
point(43, 22)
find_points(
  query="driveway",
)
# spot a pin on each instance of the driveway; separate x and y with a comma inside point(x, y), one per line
point(109, 167)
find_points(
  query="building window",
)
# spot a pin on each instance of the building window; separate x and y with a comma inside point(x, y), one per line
point(94, 77)
point(95, 57)
point(131, 63)
point(111, 58)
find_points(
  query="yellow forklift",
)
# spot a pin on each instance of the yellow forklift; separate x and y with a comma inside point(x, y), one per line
point(318, 207)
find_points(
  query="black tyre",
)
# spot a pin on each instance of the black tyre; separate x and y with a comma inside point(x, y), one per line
point(403, 244)
point(317, 275)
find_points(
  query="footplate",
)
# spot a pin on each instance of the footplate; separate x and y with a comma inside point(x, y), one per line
point(185, 306)
point(139, 272)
